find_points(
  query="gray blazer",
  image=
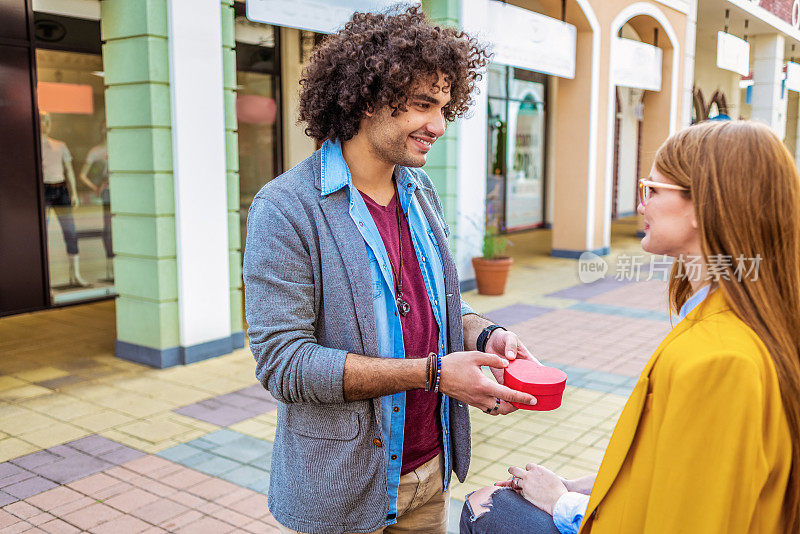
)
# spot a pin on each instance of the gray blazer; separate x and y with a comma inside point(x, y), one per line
point(308, 301)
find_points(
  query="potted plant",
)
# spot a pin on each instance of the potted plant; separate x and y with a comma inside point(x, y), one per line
point(491, 269)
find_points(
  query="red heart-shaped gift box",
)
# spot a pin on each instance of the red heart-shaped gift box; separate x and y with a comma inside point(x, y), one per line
point(545, 383)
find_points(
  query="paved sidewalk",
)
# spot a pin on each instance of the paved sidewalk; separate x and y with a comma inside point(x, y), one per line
point(90, 443)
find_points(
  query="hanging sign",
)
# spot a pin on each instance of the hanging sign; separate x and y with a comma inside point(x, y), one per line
point(793, 76)
point(320, 16)
point(522, 38)
point(636, 64)
point(733, 53)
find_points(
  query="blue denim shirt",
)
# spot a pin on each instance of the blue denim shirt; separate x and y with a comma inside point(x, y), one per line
point(336, 175)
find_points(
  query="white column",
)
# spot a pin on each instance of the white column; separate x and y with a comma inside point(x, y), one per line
point(472, 168)
point(690, 41)
point(769, 100)
point(198, 147)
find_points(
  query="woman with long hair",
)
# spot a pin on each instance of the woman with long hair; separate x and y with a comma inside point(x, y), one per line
point(709, 440)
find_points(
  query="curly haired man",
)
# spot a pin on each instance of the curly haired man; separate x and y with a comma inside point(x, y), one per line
point(352, 296)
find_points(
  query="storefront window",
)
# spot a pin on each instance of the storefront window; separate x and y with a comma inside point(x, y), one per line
point(257, 112)
point(75, 173)
point(516, 139)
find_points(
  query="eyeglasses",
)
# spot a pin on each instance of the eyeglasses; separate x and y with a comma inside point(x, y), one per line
point(646, 188)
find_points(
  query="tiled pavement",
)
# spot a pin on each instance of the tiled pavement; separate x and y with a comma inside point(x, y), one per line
point(90, 443)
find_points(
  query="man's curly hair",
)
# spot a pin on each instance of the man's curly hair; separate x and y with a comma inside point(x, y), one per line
point(375, 61)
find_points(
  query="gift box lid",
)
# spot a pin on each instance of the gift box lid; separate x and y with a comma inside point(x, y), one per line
point(531, 377)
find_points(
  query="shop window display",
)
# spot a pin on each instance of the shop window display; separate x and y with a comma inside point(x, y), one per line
point(257, 111)
point(77, 200)
point(516, 145)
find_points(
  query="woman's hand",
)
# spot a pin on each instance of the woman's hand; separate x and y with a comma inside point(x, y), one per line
point(538, 485)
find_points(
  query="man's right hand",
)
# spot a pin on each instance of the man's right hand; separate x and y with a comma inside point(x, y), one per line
point(463, 380)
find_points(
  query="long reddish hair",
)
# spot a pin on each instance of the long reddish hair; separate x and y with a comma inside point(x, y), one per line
point(745, 189)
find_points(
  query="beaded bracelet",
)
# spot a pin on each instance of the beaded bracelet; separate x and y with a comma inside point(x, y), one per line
point(438, 372)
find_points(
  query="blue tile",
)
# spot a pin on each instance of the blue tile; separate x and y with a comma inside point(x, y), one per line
point(203, 444)
point(178, 453)
point(600, 386)
point(609, 378)
point(221, 437)
point(197, 459)
point(246, 476)
point(260, 486)
point(243, 451)
point(621, 311)
point(454, 516)
point(217, 466)
point(623, 391)
point(262, 462)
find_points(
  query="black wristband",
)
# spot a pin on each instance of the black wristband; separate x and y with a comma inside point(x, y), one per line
point(484, 336)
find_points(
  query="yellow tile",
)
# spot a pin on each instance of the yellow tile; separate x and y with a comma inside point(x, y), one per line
point(40, 374)
point(220, 385)
point(571, 471)
point(93, 391)
point(104, 420)
point(11, 448)
point(132, 404)
point(142, 445)
point(55, 434)
point(490, 452)
point(8, 411)
point(591, 437)
point(189, 436)
point(476, 464)
point(543, 443)
point(10, 382)
point(192, 423)
point(26, 421)
point(154, 430)
point(468, 487)
point(566, 434)
point(63, 407)
point(269, 417)
point(256, 428)
point(497, 471)
point(592, 455)
point(515, 436)
point(481, 480)
point(524, 458)
point(179, 395)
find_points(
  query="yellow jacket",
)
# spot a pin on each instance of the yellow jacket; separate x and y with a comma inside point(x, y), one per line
point(703, 443)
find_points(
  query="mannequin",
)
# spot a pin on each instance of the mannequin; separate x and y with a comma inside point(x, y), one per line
point(94, 173)
point(60, 193)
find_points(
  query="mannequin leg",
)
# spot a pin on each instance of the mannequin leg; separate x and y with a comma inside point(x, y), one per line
point(75, 272)
point(63, 209)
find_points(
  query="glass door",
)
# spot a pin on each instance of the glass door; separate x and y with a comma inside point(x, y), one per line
point(77, 200)
point(516, 153)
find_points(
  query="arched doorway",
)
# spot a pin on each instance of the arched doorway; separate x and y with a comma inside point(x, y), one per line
point(647, 108)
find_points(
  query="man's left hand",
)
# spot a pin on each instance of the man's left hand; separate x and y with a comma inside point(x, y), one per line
point(506, 345)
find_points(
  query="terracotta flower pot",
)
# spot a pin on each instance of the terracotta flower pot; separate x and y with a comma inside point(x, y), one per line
point(491, 275)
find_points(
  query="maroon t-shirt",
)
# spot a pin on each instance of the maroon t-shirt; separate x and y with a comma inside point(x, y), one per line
point(420, 337)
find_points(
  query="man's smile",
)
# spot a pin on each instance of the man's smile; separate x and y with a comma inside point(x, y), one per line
point(424, 143)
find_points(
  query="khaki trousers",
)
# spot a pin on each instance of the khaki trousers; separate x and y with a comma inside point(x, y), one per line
point(422, 506)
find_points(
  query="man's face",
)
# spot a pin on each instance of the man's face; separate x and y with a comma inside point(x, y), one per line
point(406, 138)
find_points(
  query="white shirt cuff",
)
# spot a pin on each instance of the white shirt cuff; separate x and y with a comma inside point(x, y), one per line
point(569, 511)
